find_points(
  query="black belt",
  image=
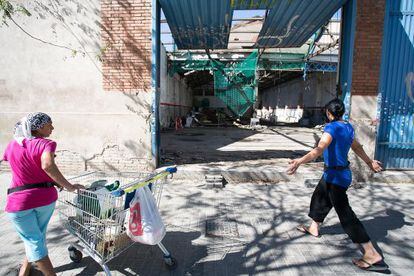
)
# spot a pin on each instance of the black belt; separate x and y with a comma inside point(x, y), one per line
point(338, 168)
point(31, 186)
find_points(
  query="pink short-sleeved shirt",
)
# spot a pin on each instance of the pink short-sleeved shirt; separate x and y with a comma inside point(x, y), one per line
point(26, 168)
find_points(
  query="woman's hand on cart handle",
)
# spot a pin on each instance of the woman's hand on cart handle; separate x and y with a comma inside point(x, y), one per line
point(75, 187)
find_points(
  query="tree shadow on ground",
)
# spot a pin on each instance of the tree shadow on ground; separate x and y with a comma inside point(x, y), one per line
point(266, 238)
point(380, 225)
point(380, 229)
point(147, 260)
point(256, 234)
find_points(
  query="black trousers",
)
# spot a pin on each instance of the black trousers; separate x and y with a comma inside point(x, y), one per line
point(326, 196)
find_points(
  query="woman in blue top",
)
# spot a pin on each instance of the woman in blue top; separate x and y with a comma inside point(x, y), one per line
point(335, 143)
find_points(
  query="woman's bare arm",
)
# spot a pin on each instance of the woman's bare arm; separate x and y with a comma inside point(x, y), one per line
point(324, 142)
point(360, 152)
point(50, 167)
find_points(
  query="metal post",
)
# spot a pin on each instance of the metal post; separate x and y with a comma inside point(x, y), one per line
point(155, 82)
point(257, 98)
point(347, 53)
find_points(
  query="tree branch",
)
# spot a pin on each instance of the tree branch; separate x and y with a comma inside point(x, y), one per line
point(41, 40)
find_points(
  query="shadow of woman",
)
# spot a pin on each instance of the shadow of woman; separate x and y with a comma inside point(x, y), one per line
point(378, 228)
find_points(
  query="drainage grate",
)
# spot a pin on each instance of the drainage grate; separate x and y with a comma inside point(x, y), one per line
point(215, 180)
point(221, 227)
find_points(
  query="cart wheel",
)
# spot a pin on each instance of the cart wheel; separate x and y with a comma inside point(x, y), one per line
point(75, 255)
point(171, 263)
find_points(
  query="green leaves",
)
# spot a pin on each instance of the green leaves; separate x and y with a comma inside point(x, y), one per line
point(23, 10)
point(7, 10)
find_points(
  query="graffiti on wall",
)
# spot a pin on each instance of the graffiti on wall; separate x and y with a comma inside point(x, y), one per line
point(280, 37)
point(252, 4)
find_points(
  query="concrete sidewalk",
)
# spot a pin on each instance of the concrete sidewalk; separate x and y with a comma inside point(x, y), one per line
point(246, 229)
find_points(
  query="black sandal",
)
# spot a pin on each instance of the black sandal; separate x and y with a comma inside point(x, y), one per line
point(378, 266)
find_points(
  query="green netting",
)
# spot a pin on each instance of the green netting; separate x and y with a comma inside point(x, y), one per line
point(272, 61)
point(236, 83)
point(281, 66)
point(189, 65)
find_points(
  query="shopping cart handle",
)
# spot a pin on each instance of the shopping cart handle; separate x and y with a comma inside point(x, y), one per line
point(171, 170)
point(118, 193)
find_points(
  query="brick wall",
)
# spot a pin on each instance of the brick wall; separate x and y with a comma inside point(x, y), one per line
point(72, 163)
point(368, 47)
point(126, 42)
point(107, 160)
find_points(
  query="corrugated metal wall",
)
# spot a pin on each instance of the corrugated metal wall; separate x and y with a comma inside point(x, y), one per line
point(395, 143)
point(206, 24)
point(290, 23)
point(199, 24)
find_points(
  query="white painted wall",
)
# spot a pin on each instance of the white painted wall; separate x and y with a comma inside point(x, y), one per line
point(94, 129)
point(315, 91)
point(176, 98)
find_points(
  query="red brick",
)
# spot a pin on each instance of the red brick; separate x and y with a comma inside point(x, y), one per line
point(126, 29)
point(367, 48)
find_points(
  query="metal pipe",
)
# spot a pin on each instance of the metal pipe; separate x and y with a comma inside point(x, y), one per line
point(164, 250)
point(347, 53)
point(163, 21)
point(230, 42)
point(231, 32)
point(155, 81)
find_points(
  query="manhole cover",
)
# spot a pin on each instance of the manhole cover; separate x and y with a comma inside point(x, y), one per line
point(220, 227)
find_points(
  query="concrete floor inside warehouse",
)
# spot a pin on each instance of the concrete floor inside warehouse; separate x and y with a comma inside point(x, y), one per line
point(261, 154)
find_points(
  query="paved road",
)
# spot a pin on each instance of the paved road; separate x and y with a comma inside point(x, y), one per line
point(246, 229)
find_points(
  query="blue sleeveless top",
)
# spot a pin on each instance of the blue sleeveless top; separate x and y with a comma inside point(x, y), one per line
point(336, 154)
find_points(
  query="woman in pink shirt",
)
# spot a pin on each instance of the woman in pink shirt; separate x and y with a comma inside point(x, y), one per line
point(31, 197)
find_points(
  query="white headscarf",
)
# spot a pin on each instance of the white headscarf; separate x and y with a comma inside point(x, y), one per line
point(33, 121)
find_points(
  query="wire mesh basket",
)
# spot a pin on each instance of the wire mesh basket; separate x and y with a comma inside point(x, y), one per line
point(97, 216)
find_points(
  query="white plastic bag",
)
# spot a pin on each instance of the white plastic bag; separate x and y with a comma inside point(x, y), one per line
point(145, 224)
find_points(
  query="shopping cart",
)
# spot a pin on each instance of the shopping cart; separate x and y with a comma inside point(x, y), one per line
point(97, 216)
